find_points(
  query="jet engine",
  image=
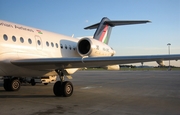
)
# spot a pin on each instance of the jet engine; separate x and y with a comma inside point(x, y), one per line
point(93, 48)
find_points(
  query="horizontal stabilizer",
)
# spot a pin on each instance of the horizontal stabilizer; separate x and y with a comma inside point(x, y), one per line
point(117, 23)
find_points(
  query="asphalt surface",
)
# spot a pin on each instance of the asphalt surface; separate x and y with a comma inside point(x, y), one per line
point(100, 93)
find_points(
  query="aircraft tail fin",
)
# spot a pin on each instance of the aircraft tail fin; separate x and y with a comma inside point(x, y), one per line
point(104, 28)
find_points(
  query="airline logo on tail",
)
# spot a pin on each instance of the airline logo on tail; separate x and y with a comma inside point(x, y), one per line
point(103, 38)
point(104, 27)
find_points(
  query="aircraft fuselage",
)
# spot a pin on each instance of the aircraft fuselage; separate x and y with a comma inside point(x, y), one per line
point(21, 42)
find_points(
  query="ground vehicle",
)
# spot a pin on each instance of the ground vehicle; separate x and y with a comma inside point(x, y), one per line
point(44, 80)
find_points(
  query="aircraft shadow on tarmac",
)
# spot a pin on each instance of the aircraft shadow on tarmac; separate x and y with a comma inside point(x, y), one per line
point(9, 94)
point(26, 96)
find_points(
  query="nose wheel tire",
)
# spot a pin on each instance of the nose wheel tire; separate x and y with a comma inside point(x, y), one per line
point(63, 88)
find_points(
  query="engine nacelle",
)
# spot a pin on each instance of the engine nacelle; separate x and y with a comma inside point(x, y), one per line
point(160, 62)
point(112, 67)
point(93, 48)
point(69, 72)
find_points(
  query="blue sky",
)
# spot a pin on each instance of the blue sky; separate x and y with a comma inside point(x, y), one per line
point(71, 16)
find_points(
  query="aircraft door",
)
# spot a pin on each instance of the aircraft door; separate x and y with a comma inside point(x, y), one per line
point(39, 44)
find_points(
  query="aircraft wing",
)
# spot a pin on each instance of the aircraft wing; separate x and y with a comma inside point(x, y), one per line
point(79, 62)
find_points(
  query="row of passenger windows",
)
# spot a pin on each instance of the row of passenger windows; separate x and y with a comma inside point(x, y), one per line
point(39, 42)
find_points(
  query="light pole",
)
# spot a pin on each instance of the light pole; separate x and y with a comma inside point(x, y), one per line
point(169, 54)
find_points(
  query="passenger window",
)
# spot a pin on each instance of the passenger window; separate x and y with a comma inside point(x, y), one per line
point(5, 37)
point(29, 41)
point(74, 48)
point(39, 43)
point(65, 46)
point(56, 45)
point(14, 38)
point(47, 43)
point(22, 40)
point(61, 46)
point(52, 44)
point(69, 47)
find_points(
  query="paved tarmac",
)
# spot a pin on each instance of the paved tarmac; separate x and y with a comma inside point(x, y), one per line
point(100, 93)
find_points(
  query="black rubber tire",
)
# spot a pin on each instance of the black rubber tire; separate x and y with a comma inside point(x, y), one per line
point(33, 83)
point(45, 83)
point(57, 89)
point(15, 85)
point(67, 89)
point(6, 84)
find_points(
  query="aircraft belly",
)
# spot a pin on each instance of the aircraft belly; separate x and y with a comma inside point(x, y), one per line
point(8, 69)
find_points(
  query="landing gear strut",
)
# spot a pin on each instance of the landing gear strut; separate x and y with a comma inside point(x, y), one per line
point(12, 84)
point(62, 88)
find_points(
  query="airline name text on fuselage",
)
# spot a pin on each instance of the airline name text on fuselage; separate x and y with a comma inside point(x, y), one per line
point(16, 27)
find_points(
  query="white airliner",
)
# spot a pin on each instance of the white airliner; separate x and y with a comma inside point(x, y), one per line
point(31, 52)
